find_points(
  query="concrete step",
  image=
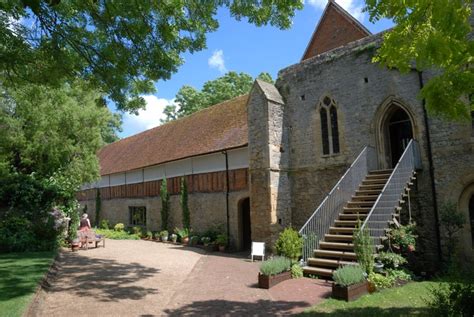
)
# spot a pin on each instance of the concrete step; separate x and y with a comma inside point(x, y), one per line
point(373, 181)
point(338, 238)
point(352, 216)
point(336, 246)
point(356, 210)
point(371, 198)
point(378, 176)
point(318, 271)
point(318, 262)
point(366, 192)
point(346, 223)
point(342, 230)
point(335, 254)
point(360, 203)
point(371, 187)
point(378, 172)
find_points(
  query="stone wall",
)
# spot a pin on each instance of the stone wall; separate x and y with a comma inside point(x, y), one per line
point(206, 210)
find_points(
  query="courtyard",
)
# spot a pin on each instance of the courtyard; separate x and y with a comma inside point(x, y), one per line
point(145, 278)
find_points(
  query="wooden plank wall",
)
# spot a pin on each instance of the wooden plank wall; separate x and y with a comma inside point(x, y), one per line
point(198, 183)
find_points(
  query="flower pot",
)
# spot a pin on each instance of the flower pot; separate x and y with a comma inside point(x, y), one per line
point(164, 238)
point(265, 281)
point(221, 248)
point(185, 240)
point(349, 293)
point(371, 287)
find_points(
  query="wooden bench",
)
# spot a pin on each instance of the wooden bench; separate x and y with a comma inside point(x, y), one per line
point(89, 236)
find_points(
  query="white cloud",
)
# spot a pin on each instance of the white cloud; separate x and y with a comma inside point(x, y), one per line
point(217, 61)
point(147, 118)
point(354, 7)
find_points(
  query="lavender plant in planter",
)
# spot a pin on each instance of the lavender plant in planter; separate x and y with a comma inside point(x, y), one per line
point(349, 283)
point(274, 271)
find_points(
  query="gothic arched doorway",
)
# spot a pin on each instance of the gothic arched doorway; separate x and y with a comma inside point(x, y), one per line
point(244, 221)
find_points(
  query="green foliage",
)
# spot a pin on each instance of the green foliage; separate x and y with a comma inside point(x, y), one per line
point(364, 249)
point(296, 271)
point(137, 230)
point(348, 275)
point(149, 234)
point(222, 240)
point(165, 205)
point(403, 238)
point(98, 207)
point(275, 266)
point(451, 221)
point(121, 47)
point(402, 275)
point(452, 299)
point(182, 233)
point(391, 260)
point(164, 233)
point(189, 100)
point(117, 235)
point(433, 35)
point(213, 231)
point(119, 227)
point(289, 244)
point(184, 204)
point(381, 281)
point(173, 237)
point(205, 240)
point(104, 224)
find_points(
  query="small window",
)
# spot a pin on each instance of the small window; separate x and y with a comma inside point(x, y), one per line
point(329, 126)
point(137, 216)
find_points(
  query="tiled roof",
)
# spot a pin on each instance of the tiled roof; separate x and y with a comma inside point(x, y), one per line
point(222, 126)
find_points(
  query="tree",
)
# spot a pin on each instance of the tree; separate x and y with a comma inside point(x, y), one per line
point(121, 47)
point(165, 205)
point(189, 100)
point(431, 35)
point(184, 204)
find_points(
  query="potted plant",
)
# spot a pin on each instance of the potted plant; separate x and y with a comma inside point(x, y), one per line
point(174, 237)
point(193, 241)
point(206, 241)
point(183, 234)
point(164, 235)
point(222, 242)
point(274, 271)
point(349, 283)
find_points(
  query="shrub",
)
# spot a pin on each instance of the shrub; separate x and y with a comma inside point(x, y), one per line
point(381, 281)
point(289, 244)
point(104, 224)
point(184, 204)
point(296, 271)
point(399, 275)
point(182, 233)
point(137, 230)
point(403, 238)
point(364, 249)
point(391, 260)
point(149, 234)
point(275, 266)
point(165, 197)
point(117, 235)
point(452, 299)
point(164, 233)
point(452, 221)
point(98, 207)
point(119, 227)
point(213, 231)
point(348, 275)
point(222, 240)
point(206, 240)
point(16, 235)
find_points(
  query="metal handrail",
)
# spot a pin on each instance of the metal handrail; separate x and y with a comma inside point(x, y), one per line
point(392, 193)
point(324, 216)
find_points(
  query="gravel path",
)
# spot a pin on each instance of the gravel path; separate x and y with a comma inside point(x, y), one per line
point(144, 278)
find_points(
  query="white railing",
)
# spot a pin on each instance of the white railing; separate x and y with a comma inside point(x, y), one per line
point(392, 193)
point(318, 224)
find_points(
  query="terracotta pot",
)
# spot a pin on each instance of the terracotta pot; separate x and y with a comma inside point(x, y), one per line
point(185, 240)
point(371, 287)
point(265, 281)
point(349, 293)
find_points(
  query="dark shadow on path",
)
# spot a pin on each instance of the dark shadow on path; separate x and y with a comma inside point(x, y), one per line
point(233, 308)
point(103, 279)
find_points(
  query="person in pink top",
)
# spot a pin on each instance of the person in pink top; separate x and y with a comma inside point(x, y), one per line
point(85, 223)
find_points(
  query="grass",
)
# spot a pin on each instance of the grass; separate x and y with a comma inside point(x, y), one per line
point(117, 235)
point(20, 274)
point(408, 300)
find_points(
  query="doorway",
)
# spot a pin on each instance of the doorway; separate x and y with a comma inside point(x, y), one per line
point(400, 133)
point(245, 230)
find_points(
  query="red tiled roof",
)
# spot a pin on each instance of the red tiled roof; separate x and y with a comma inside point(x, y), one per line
point(222, 126)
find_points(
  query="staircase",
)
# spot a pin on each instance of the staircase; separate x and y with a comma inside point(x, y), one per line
point(363, 193)
point(337, 248)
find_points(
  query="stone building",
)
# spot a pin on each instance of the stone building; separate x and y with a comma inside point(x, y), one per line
point(286, 146)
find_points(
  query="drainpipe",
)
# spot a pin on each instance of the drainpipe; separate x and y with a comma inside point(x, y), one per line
point(431, 167)
point(227, 191)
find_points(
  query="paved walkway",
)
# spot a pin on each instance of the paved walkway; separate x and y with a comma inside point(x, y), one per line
point(143, 278)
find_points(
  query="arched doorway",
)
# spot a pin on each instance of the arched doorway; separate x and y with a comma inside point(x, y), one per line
point(396, 132)
point(245, 230)
point(466, 206)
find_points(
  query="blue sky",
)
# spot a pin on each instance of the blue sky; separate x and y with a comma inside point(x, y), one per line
point(242, 47)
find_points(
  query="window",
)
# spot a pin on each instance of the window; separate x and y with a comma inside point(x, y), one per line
point(137, 216)
point(329, 126)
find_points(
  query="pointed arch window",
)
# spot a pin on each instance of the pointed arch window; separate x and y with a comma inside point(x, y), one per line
point(329, 126)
